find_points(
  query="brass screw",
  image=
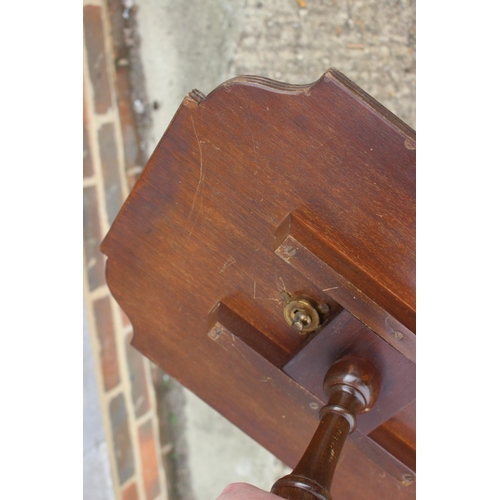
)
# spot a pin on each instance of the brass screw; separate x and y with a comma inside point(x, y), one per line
point(300, 319)
point(323, 308)
point(301, 314)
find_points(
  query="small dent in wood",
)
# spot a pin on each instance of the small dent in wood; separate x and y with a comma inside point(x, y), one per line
point(410, 145)
point(229, 262)
point(199, 187)
point(407, 479)
point(397, 335)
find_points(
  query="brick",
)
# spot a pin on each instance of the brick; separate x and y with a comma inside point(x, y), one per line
point(92, 236)
point(88, 167)
point(110, 171)
point(106, 334)
point(118, 24)
point(130, 492)
point(96, 57)
point(138, 380)
point(122, 446)
point(150, 473)
point(122, 56)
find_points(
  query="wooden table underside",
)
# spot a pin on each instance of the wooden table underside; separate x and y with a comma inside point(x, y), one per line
point(260, 188)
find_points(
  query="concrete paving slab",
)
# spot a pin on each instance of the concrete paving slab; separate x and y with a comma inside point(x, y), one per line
point(219, 453)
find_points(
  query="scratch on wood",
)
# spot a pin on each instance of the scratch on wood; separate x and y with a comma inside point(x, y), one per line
point(260, 298)
point(213, 145)
point(280, 283)
point(228, 263)
point(238, 351)
point(253, 139)
point(332, 288)
point(318, 148)
point(255, 145)
point(260, 245)
point(223, 346)
point(200, 181)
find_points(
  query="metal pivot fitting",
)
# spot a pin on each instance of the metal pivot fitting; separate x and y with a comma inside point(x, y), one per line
point(301, 314)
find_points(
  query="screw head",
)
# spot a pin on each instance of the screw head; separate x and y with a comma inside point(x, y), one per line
point(301, 315)
point(301, 320)
point(323, 308)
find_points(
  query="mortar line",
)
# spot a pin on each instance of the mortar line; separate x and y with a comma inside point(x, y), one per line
point(115, 391)
point(145, 417)
point(99, 293)
point(128, 482)
point(89, 181)
point(106, 118)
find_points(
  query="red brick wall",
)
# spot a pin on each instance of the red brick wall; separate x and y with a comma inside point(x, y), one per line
point(110, 164)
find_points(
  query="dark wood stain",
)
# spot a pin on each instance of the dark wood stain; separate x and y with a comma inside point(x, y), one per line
point(202, 227)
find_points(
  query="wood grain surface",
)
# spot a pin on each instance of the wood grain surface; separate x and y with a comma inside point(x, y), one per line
point(200, 229)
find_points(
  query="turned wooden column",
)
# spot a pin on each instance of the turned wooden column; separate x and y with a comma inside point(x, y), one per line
point(351, 386)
